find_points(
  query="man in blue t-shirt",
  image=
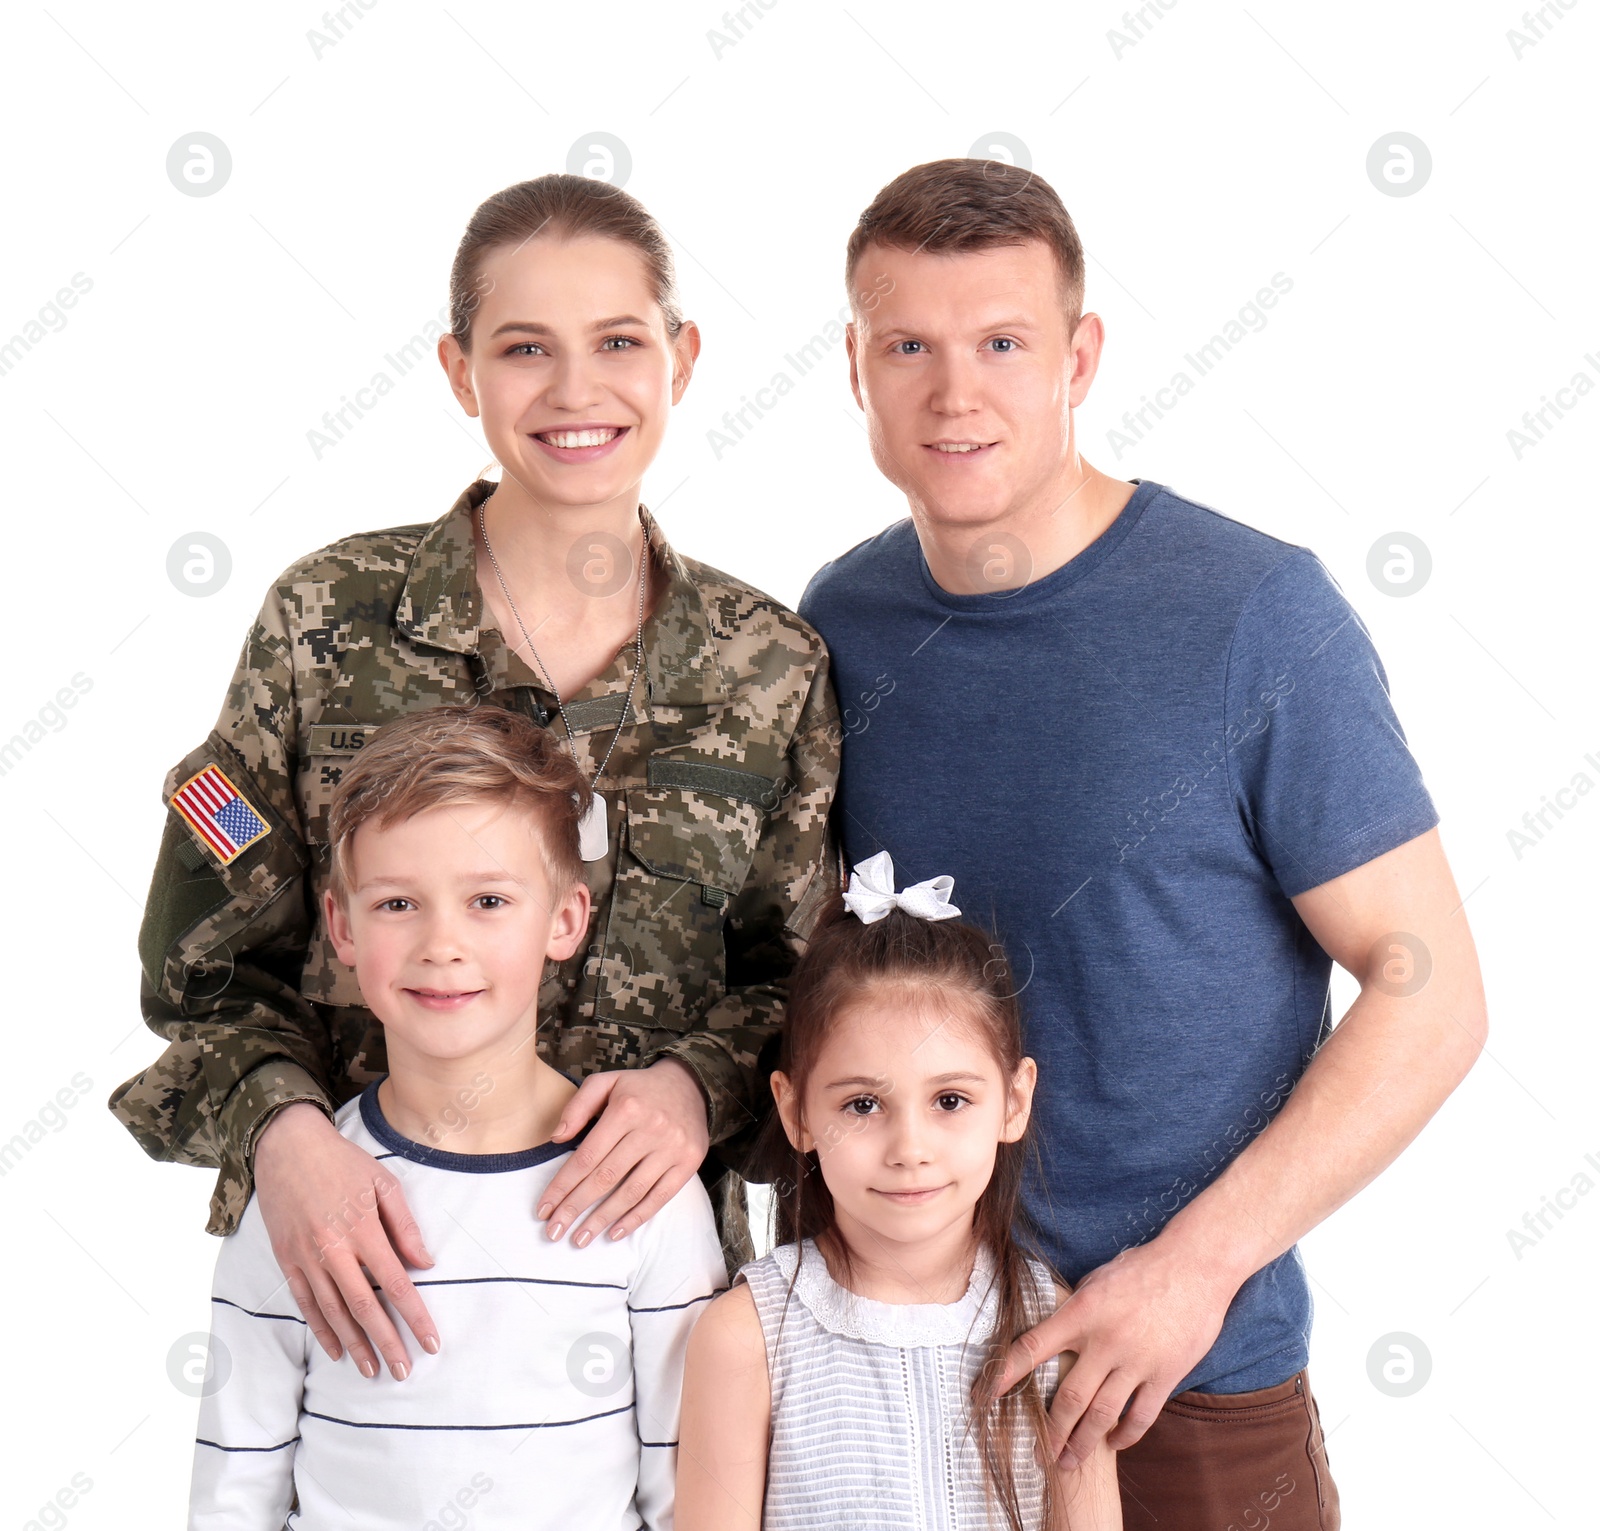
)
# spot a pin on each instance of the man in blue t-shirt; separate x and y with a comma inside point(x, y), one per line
point(1155, 749)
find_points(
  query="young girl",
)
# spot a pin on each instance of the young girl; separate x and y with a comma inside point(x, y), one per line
point(843, 1380)
point(696, 707)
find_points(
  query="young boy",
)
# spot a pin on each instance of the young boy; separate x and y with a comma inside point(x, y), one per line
point(553, 1400)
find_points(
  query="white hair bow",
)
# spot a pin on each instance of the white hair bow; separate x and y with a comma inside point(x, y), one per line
point(871, 893)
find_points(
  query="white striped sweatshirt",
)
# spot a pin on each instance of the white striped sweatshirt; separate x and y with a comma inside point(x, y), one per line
point(553, 1400)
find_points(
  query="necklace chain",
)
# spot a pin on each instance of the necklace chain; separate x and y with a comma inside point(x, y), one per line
point(638, 640)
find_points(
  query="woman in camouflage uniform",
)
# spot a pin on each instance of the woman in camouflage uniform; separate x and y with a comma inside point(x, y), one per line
point(716, 754)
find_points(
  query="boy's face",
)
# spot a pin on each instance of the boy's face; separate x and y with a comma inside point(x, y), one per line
point(449, 920)
point(906, 1108)
point(972, 352)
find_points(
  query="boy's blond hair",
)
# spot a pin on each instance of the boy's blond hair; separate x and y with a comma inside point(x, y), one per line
point(446, 755)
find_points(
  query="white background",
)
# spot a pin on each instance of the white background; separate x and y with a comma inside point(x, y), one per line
point(1222, 146)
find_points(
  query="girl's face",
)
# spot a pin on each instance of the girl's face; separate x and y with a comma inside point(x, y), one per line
point(906, 1108)
point(571, 370)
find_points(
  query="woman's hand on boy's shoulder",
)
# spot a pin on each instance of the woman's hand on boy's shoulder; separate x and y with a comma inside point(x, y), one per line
point(329, 1208)
point(651, 1136)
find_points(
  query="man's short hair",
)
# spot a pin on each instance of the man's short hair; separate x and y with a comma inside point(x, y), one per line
point(949, 206)
point(455, 754)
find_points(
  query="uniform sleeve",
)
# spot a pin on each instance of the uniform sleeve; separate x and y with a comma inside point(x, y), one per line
point(680, 1270)
point(223, 940)
point(1318, 764)
point(244, 1450)
point(794, 871)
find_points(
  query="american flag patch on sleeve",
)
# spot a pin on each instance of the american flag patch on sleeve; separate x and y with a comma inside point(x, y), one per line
point(218, 813)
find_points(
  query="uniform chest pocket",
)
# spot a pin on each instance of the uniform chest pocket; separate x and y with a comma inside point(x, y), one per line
point(694, 836)
point(687, 855)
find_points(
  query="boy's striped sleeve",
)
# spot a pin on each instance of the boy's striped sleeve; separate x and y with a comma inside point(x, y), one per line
point(244, 1451)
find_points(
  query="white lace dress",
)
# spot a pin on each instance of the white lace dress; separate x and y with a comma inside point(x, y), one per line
point(870, 1402)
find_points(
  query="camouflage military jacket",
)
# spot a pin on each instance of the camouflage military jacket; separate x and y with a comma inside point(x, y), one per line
point(719, 850)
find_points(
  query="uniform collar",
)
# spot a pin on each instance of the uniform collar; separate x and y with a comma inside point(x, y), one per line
point(442, 606)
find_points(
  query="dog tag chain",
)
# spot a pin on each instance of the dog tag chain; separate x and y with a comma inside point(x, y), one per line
point(593, 829)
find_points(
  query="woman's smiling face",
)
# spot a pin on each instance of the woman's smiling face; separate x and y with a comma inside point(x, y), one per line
point(571, 371)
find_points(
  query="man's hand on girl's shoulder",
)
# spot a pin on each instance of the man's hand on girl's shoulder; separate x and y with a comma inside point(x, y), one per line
point(1136, 1327)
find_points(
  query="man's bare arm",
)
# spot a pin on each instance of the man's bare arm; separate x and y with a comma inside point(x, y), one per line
point(1409, 1039)
point(1143, 1320)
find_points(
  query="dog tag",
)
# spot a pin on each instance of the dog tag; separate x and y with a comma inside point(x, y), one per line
point(593, 838)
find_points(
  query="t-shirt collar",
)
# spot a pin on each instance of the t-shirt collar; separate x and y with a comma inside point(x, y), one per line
point(1050, 585)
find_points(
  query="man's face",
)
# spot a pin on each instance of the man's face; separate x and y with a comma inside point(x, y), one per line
point(966, 371)
point(448, 923)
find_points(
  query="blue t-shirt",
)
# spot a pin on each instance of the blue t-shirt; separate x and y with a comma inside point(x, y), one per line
point(1129, 766)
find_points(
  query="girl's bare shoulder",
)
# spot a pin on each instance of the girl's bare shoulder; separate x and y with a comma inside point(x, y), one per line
point(728, 1333)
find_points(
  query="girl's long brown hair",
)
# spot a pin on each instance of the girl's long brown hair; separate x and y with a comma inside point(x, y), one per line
point(966, 969)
